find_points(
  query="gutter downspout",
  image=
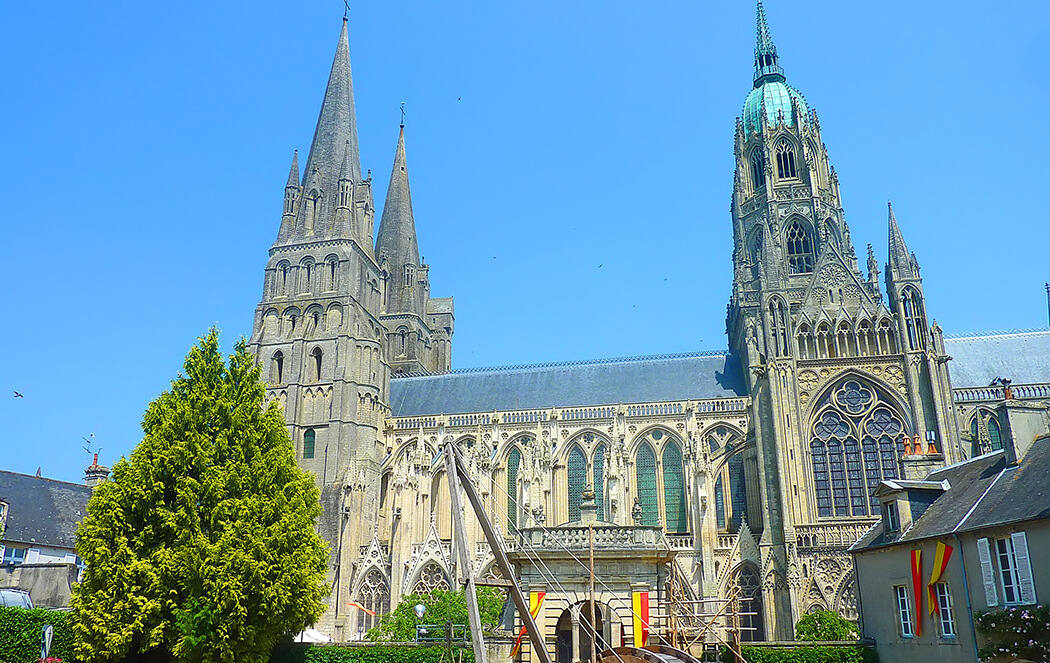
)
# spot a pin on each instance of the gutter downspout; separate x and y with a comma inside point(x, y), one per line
point(966, 591)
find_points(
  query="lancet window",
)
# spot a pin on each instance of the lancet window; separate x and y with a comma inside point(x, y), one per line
point(914, 320)
point(645, 470)
point(778, 321)
point(786, 161)
point(856, 442)
point(800, 249)
point(277, 368)
point(758, 167)
point(577, 476)
point(598, 472)
point(674, 489)
point(513, 463)
point(309, 442)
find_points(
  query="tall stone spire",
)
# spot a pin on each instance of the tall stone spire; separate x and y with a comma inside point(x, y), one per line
point(336, 130)
point(766, 64)
point(901, 260)
point(396, 242)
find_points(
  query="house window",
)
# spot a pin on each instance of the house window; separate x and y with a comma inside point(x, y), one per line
point(892, 516)
point(14, 555)
point(944, 609)
point(904, 616)
point(1007, 557)
point(309, 438)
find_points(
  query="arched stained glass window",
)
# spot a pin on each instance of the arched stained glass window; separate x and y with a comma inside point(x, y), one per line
point(599, 480)
point(374, 595)
point(309, 440)
point(645, 477)
point(856, 443)
point(800, 249)
point(513, 463)
point(749, 582)
point(577, 479)
point(720, 504)
point(674, 489)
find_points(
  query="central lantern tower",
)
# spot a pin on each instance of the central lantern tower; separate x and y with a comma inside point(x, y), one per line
point(843, 383)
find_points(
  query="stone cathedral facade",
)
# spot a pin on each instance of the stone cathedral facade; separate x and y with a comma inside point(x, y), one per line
point(758, 462)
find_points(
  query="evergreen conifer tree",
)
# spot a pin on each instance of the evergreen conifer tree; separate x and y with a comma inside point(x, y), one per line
point(202, 547)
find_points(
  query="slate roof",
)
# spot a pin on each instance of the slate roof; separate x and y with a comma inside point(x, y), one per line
point(1021, 356)
point(601, 382)
point(985, 492)
point(42, 511)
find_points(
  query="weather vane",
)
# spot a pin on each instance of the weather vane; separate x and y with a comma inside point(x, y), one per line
point(402, 115)
point(346, 9)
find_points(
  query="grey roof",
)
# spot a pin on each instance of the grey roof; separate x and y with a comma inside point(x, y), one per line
point(985, 492)
point(42, 511)
point(1021, 356)
point(600, 382)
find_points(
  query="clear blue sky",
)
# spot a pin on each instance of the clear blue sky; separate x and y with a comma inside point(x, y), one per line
point(570, 164)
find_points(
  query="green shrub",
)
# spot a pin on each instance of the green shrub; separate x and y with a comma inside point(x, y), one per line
point(20, 634)
point(814, 654)
point(294, 653)
point(825, 625)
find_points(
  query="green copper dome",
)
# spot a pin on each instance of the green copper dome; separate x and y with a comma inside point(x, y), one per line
point(777, 97)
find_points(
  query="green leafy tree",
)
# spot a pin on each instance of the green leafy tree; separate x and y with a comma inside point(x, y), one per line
point(443, 606)
point(825, 625)
point(202, 547)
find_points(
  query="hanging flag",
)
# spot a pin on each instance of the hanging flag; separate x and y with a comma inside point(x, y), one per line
point(916, 584)
point(535, 601)
point(355, 604)
point(940, 563)
point(640, 603)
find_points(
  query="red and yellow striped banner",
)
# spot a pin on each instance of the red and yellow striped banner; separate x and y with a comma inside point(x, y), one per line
point(535, 601)
point(640, 603)
point(940, 563)
point(916, 583)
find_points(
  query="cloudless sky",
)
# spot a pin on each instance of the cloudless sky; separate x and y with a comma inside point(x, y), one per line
point(570, 162)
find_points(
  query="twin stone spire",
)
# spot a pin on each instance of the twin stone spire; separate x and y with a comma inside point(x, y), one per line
point(326, 201)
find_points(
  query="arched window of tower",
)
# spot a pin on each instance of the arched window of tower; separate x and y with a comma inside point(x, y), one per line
point(309, 441)
point(277, 368)
point(914, 319)
point(779, 327)
point(317, 357)
point(856, 442)
point(758, 169)
point(800, 248)
point(786, 161)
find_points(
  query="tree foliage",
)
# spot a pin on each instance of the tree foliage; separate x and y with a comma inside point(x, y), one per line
point(443, 606)
point(825, 625)
point(202, 546)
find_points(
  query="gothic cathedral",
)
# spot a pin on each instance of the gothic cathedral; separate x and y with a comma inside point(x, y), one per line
point(757, 464)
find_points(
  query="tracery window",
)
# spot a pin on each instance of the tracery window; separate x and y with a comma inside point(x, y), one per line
point(800, 249)
point(645, 477)
point(914, 319)
point(430, 578)
point(577, 475)
point(513, 463)
point(747, 579)
point(598, 471)
point(758, 167)
point(786, 161)
point(374, 595)
point(988, 422)
point(674, 489)
point(857, 442)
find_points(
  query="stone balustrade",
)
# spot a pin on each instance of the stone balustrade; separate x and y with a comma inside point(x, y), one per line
point(605, 537)
point(997, 393)
point(680, 541)
point(831, 535)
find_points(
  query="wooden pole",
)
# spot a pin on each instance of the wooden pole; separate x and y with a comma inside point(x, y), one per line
point(501, 557)
point(465, 567)
point(594, 619)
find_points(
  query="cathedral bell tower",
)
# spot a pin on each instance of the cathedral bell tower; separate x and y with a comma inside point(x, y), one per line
point(837, 386)
point(317, 333)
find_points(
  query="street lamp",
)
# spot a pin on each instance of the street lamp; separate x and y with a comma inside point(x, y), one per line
point(420, 609)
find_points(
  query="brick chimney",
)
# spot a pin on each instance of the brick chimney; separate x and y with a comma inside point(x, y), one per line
point(95, 474)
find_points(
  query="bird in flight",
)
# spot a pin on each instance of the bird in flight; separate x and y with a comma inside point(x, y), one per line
point(18, 395)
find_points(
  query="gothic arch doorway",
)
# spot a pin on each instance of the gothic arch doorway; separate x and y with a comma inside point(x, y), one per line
point(576, 632)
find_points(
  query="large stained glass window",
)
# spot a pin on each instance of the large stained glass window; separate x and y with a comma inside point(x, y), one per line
point(577, 471)
point(645, 477)
point(599, 480)
point(674, 489)
point(513, 462)
point(857, 441)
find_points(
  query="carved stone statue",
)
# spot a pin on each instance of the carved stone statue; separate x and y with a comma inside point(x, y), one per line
point(636, 512)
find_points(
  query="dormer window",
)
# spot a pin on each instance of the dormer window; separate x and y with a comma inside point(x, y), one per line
point(891, 517)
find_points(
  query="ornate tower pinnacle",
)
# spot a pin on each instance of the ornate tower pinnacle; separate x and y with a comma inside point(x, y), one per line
point(396, 243)
point(766, 63)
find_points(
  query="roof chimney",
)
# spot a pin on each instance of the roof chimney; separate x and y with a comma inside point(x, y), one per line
point(95, 474)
